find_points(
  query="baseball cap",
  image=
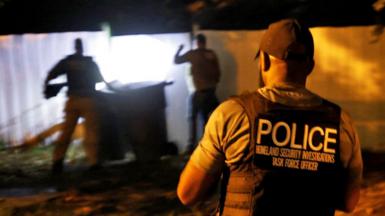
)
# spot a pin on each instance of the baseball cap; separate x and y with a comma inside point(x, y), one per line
point(287, 39)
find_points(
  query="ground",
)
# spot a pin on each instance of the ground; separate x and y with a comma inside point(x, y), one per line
point(124, 188)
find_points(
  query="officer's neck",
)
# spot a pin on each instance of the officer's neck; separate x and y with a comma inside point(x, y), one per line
point(283, 78)
point(281, 74)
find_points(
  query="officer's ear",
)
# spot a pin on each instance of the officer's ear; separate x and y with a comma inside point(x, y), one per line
point(265, 61)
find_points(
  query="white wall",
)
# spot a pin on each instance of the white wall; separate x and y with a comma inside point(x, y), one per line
point(138, 58)
point(26, 59)
point(24, 63)
point(349, 71)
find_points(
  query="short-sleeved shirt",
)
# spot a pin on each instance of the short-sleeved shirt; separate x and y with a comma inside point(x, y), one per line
point(205, 70)
point(226, 135)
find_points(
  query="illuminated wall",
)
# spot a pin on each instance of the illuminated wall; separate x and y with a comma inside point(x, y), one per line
point(349, 71)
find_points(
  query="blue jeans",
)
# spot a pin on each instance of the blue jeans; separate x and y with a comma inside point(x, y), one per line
point(201, 104)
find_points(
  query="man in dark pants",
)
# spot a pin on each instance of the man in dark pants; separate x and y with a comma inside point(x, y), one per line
point(82, 75)
point(205, 72)
point(281, 150)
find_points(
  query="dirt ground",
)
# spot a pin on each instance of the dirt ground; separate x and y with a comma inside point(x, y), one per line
point(125, 188)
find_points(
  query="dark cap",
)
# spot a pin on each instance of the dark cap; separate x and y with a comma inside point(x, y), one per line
point(287, 39)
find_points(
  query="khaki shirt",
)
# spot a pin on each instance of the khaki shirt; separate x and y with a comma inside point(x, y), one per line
point(226, 135)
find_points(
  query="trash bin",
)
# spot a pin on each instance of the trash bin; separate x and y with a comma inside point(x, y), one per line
point(139, 111)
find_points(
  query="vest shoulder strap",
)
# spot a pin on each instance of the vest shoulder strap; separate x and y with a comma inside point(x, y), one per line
point(252, 103)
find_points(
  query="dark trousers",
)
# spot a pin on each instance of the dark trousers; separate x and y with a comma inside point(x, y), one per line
point(201, 104)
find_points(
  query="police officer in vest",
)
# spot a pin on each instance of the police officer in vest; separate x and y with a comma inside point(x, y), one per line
point(281, 150)
point(82, 74)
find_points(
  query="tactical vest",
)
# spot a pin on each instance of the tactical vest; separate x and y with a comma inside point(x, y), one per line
point(292, 165)
point(82, 75)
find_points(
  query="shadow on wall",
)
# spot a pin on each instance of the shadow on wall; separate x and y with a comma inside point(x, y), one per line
point(349, 71)
point(218, 42)
point(346, 57)
point(228, 82)
point(236, 50)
